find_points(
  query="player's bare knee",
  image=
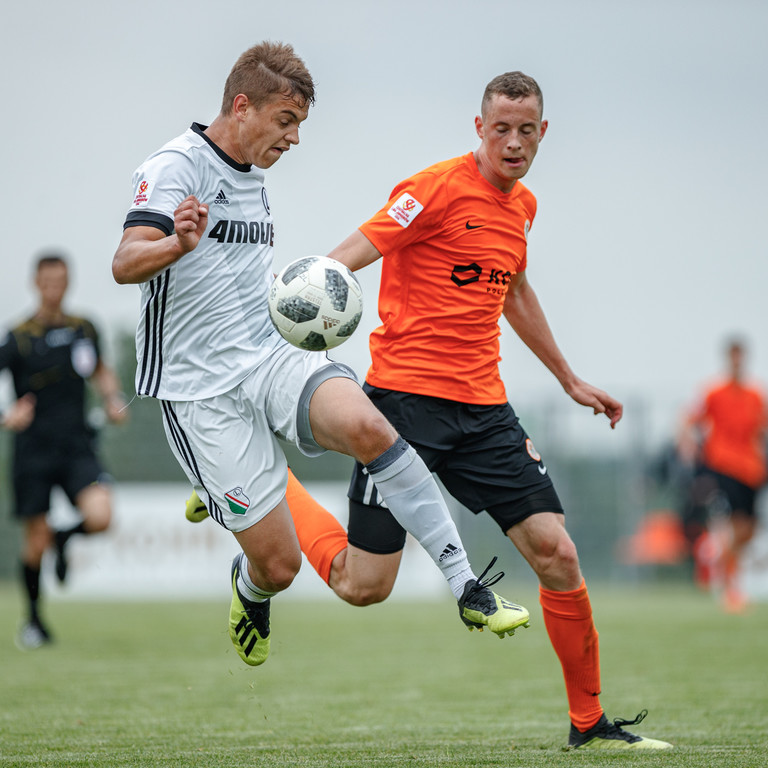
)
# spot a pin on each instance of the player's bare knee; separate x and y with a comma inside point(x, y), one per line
point(95, 505)
point(278, 575)
point(275, 581)
point(373, 435)
point(37, 537)
point(35, 544)
point(98, 520)
point(557, 563)
point(566, 553)
point(362, 595)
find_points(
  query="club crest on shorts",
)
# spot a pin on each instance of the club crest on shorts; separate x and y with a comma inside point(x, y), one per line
point(237, 500)
point(532, 452)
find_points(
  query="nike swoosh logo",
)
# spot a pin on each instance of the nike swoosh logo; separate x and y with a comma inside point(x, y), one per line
point(542, 469)
point(473, 226)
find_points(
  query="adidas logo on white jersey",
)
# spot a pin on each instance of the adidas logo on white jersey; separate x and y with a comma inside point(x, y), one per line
point(221, 198)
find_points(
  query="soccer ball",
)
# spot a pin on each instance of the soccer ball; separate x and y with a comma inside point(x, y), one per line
point(316, 303)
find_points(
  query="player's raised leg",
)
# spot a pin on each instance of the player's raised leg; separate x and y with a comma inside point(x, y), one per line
point(357, 576)
point(343, 419)
point(94, 503)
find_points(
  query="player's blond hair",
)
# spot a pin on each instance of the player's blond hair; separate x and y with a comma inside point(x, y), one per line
point(513, 85)
point(267, 69)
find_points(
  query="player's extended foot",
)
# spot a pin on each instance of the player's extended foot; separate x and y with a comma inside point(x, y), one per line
point(32, 634)
point(248, 624)
point(60, 539)
point(611, 735)
point(480, 607)
point(196, 511)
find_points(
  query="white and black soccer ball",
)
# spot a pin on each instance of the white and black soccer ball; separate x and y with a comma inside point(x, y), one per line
point(316, 303)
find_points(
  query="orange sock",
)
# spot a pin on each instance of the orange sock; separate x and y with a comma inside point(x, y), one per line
point(568, 619)
point(730, 566)
point(321, 535)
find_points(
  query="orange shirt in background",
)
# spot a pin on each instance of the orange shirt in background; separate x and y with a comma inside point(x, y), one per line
point(734, 419)
point(451, 241)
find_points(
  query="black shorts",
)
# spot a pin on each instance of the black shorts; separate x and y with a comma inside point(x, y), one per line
point(39, 466)
point(732, 495)
point(481, 454)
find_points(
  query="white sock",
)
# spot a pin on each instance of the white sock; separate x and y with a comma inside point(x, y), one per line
point(246, 586)
point(414, 499)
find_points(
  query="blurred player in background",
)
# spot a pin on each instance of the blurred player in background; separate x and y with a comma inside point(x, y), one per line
point(723, 439)
point(198, 240)
point(454, 244)
point(51, 356)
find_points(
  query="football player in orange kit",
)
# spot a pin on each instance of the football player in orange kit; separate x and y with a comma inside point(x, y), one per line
point(453, 239)
point(724, 437)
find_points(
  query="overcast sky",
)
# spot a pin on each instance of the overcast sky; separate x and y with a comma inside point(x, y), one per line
point(650, 241)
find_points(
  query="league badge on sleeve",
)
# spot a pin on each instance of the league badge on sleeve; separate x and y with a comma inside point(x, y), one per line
point(142, 194)
point(405, 209)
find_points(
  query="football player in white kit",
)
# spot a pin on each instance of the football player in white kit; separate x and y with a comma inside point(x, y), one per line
point(198, 241)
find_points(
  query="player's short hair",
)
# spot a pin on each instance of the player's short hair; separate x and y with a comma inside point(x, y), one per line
point(48, 259)
point(513, 85)
point(267, 69)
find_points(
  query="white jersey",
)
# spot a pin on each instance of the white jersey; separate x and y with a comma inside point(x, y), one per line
point(204, 320)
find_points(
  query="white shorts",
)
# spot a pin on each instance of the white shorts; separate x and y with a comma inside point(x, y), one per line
point(228, 445)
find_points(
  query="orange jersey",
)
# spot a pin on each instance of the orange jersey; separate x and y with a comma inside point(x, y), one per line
point(734, 417)
point(451, 242)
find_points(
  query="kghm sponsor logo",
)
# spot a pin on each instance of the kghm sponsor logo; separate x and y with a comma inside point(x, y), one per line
point(226, 231)
point(497, 281)
point(466, 274)
point(498, 277)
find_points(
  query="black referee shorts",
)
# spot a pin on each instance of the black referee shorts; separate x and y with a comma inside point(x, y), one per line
point(38, 466)
point(481, 454)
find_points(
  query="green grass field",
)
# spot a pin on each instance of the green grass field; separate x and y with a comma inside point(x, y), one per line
point(401, 684)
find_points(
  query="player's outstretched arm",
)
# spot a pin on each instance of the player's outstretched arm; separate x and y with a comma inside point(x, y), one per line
point(145, 251)
point(524, 313)
point(356, 252)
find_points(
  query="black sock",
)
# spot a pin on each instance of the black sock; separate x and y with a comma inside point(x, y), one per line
point(63, 536)
point(30, 577)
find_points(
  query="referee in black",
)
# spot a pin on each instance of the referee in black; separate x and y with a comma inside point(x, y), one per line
point(51, 356)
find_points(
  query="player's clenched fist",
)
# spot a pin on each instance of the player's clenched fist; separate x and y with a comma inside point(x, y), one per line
point(190, 220)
